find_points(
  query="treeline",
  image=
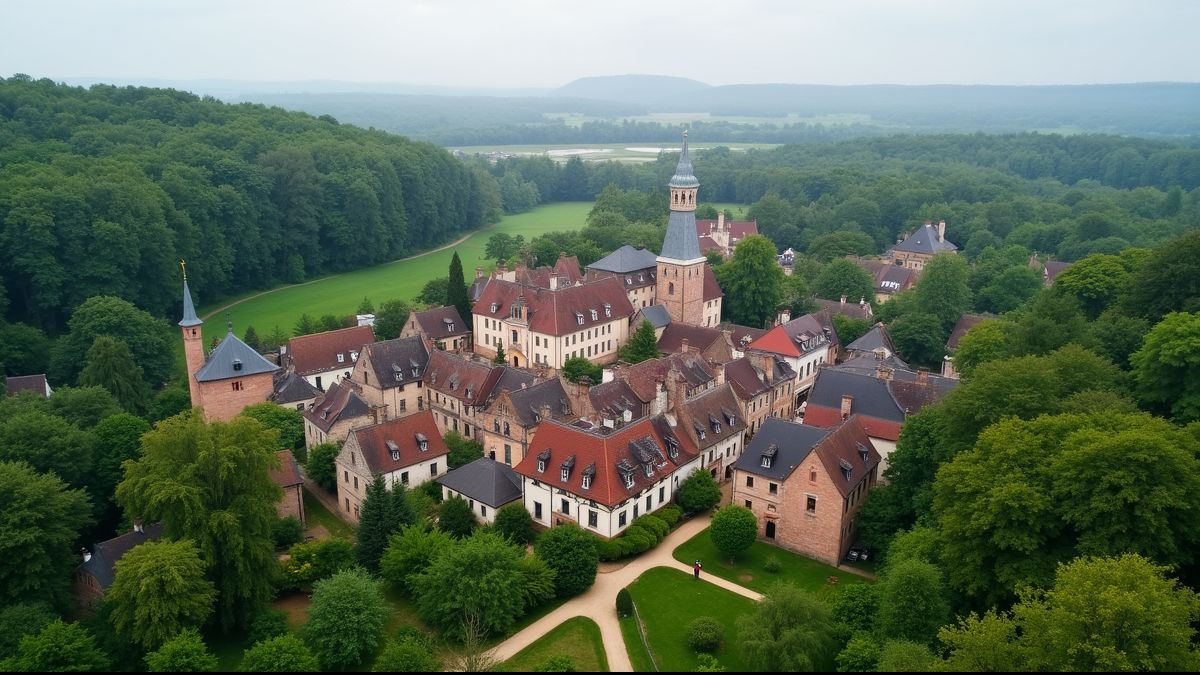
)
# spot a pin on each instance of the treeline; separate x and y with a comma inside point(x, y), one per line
point(103, 190)
point(633, 131)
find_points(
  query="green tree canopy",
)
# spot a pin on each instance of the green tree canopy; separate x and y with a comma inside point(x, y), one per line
point(514, 522)
point(789, 631)
point(49, 444)
point(149, 339)
point(321, 467)
point(390, 319)
point(504, 246)
point(919, 338)
point(159, 590)
point(456, 518)
point(985, 341)
point(410, 552)
point(943, 290)
point(912, 602)
point(184, 653)
point(60, 648)
point(1095, 281)
point(209, 482)
point(39, 524)
point(642, 345)
point(463, 450)
point(1168, 280)
point(346, 619)
point(283, 654)
point(841, 244)
point(377, 522)
point(1167, 367)
point(456, 293)
point(287, 421)
point(733, 530)
point(578, 367)
point(844, 278)
point(571, 552)
point(752, 281)
point(407, 655)
point(82, 406)
point(699, 492)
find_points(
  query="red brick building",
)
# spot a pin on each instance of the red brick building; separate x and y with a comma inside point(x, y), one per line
point(287, 477)
point(805, 485)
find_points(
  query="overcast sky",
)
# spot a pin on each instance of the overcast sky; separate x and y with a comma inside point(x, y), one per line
point(546, 43)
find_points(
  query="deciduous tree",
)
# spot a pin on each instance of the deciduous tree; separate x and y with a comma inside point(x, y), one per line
point(184, 653)
point(843, 278)
point(456, 518)
point(733, 530)
point(60, 648)
point(346, 620)
point(159, 590)
point(699, 492)
point(571, 552)
point(321, 467)
point(642, 345)
point(1167, 367)
point(410, 552)
point(283, 654)
point(789, 631)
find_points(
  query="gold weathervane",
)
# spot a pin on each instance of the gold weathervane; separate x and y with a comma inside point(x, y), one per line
point(183, 268)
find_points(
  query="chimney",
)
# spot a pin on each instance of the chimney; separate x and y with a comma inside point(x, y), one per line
point(883, 372)
point(785, 315)
point(721, 219)
point(843, 298)
point(847, 401)
point(683, 346)
point(922, 376)
point(553, 283)
point(478, 272)
point(85, 554)
point(501, 267)
point(942, 230)
point(544, 411)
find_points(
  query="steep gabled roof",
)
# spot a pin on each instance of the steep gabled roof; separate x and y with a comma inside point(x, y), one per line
point(34, 384)
point(714, 413)
point(788, 339)
point(643, 378)
point(657, 315)
point(393, 362)
point(860, 309)
point(442, 322)
point(787, 443)
point(712, 290)
point(699, 338)
point(288, 473)
point(965, 323)
point(528, 402)
point(924, 240)
point(457, 377)
point(233, 358)
point(612, 399)
point(558, 312)
point(486, 481)
point(615, 462)
point(340, 402)
point(747, 381)
point(319, 352)
point(103, 564)
point(625, 260)
point(876, 338)
point(375, 442)
point(291, 388)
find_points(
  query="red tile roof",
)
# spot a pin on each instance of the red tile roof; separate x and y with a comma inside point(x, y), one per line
point(318, 352)
point(699, 337)
point(558, 312)
point(738, 229)
point(457, 377)
point(714, 413)
point(405, 434)
point(712, 290)
point(288, 473)
point(643, 378)
point(820, 416)
point(842, 449)
point(623, 452)
point(747, 381)
point(35, 384)
point(785, 339)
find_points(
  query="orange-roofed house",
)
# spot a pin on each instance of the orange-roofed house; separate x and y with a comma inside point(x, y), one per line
point(408, 450)
point(324, 358)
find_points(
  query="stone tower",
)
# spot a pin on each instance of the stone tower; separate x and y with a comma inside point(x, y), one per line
point(193, 340)
point(681, 265)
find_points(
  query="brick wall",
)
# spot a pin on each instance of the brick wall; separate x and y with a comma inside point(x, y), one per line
point(292, 503)
point(222, 402)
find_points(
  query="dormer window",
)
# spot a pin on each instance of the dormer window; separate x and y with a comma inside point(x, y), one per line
point(863, 452)
point(649, 469)
point(587, 481)
point(394, 450)
point(672, 447)
point(354, 356)
point(422, 442)
point(628, 281)
point(237, 364)
point(416, 368)
point(579, 318)
point(495, 306)
point(566, 473)
point(543, 458)
point(846, 467)
point(470, 392)
point(567, 465)
point(341, 358)
point(768, 456)
point(594, 315)
point(607, 309)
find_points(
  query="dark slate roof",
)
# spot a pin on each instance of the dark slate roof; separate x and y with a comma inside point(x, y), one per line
point(876, 338)
point(340, 402)
point(292, 388)
point(34, 384)
point(475, 290)
point(397, 357)
point(868, 363)
point(103, 564)
point(857, 309)
point(223, 362)
point(874, 397)
point(681, 242)
point(924, 240)
point(657, 315)
point(626, 259)
point(189, 311)
point(442, 322)
point(486, 481)
point(528, 401)
point(685, 176)
point(793, 443)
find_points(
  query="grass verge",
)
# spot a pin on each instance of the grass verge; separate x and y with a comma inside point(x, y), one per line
point(578, 638)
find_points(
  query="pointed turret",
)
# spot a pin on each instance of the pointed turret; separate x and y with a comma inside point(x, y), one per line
point(193, 340)
point(189, 310)
point(685, 176)
point(681, 241)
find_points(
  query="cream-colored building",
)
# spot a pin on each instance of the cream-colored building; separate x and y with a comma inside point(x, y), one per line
point(389, 375)
point(409, 451)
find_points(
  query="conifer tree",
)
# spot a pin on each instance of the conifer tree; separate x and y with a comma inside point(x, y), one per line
point(500, 357)
point(643, 345)
point(110, 365)
point(456, 295)
point(251, 339)
point(375, 524)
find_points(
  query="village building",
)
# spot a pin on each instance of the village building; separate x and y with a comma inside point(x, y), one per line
point(485, 484)
point(804, 343)
point(715, 425)
point(763, 385)
point(806, 484)
point(602, 479)
point(458, 388)
point(408, 450)
point(722, 235)
point(658, 317)
point(543, 327)
point(507, 423)
point(287, 477)
point(741, 337)
point(227, 379)
point(917, 249)
point(440, 328)
point(965, 323)
point(686, 284)
point(324, 358)
point(876, 391)
point(635, 268)
point(292, 391)
point(854, 310)
point(712, 344)
point(389, 375)
point(336, 412)
point(890, 279)
point(1049, 269)
point(98, 568)
point(33, 384)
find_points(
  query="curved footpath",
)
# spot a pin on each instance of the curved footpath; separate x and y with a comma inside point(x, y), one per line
point(599, 603)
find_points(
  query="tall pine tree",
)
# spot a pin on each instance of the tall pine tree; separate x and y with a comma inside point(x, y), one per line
point(374, 524)
point(643, 345)
point(110, 365)
point(456, 295)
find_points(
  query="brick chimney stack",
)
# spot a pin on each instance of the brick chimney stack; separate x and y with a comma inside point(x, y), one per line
point(683, 346)
point(847, 403)
point(883, 372)
point(721, 219)
point(942, 230)
point(922, 376)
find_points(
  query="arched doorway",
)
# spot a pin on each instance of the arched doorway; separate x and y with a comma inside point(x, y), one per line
point(729, 472)
point(516, 362)
point(770, 529)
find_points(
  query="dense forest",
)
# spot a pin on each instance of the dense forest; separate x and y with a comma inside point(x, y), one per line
point(249, 196)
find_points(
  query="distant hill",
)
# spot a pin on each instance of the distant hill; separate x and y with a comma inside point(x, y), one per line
point(631, 88)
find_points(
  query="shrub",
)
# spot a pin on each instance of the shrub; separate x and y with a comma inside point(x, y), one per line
point(733, 530)
point(282, 654)
point(407, 655)
point(286, 531)
point(610, 549)
point(670, 515)
point(185, 653)
point(310, 562)
point(655, 525)
point(456, 518)
point(571, 552)
point(624, 603)
point(514, 522)
point(557, 664)
point(707, 663)
point(772, 564)
point(433, 490)
point(699, 492)
point(705, 634)
point(266, 625)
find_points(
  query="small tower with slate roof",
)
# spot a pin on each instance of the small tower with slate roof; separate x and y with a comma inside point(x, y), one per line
point(229, 378)
point(193, 338)
point(681, 265)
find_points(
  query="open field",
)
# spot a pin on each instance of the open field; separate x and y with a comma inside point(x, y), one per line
point(341, 294)
point(667, 601)
point(748, 569)
point(624, 152)
point(578, 638)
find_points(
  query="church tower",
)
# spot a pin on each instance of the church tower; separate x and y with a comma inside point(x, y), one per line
point(193, 340)
point(681, 265)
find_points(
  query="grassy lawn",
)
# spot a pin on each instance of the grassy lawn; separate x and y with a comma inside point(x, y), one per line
point(341, 294)
point(578, 638)
point(748, 569)
point(316, 514)
point(638, 656)
point(667, 601)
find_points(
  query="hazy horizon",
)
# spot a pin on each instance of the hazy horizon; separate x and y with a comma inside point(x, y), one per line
point(478, 45)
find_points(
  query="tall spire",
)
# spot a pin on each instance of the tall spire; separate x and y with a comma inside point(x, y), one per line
point(685, 176)
point(189, 310)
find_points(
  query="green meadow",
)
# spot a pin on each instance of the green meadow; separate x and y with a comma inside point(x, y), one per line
point(341, 294)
